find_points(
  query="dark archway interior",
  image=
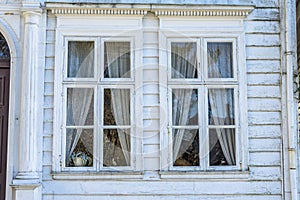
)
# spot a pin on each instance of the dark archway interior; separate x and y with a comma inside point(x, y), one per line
point(4, 110)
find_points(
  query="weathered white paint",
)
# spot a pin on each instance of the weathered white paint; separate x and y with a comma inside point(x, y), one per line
point(26, 182)
point(264, 106)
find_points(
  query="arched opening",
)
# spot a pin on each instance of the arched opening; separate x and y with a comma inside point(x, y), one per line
point(4, 110)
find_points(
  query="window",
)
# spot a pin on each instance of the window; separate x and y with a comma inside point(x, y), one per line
point(203, 104)
point(98, 98)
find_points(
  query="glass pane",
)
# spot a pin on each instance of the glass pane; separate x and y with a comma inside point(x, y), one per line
point(116, 147)
point(80, 59)
point(184, 60)
point(117, 59)
point(221, 106)
point(79, 147)
point(185, 107)
point(222, 148)
point(4, 49)
point(80, 106)
point(220, 60)
point(116, 107)
point(185, 147)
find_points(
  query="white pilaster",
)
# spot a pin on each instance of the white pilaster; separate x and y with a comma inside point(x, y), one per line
point(27, 184)
point(27, 163)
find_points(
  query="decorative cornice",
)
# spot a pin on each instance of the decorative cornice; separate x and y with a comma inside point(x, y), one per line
point(208, 13)
point(159, 10)
point(98, 11)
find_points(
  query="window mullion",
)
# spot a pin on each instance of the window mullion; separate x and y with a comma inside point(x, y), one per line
point(203, 130)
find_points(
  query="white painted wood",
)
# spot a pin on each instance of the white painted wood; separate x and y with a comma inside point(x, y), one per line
point(264, 14)
point(165, 197)
point(213, 187)
point(266, 173)
point(263, 91)
point(265, 144)
point(262, 40)
point(151, 137)
point(191, 23)
point(263, 79)
point(263, 118)
point(266, 3)
point(263, 53)
point(262, 27)
point(264, 159)
point(263, 66)
point(262, 107)
point(115, 22)
point(27, 163)
point(66, 33)
point(264, 131)
point(269, 104)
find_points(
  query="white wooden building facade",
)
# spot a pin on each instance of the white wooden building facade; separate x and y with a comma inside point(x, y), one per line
point(180, 129)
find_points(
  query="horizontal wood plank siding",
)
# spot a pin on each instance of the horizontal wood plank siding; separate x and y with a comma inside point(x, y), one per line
point(49, 98)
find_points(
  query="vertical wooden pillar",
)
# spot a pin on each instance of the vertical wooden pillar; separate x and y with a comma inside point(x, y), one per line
point(27, 181)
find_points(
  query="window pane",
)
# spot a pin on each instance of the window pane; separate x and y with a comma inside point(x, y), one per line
point(117, 59)
point(221, 106)
point(185, 147)
point(222, 147)
point(116, 147)
point(116, 107)
point(80, 106)
point(184, 60)
point(79, 148)
point(219, 60)
point(185, 107)
point(80, 59)
point(4, 50)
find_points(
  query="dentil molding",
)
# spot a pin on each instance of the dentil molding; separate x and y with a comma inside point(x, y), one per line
point(159, 10)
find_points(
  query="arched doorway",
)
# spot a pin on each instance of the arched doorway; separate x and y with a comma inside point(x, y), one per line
point(4, 109)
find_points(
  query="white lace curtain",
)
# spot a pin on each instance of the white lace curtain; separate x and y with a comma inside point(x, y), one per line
point(118, 68)
point(221, 99)
point(184, 62)
point(81, 58)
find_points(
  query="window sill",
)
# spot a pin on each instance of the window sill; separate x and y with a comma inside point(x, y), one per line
point(227, 175)
point(96, 175)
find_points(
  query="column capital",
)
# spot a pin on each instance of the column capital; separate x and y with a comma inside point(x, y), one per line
point(32, 16)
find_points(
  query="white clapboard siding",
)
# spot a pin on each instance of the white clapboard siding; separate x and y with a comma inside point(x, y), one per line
point(263, 131)
point(262, 27)
point(263, 40)
point(263, 53)
point(265, 104)
point(260, 118)
point(264, 14)
point(265, 91)
point(264, 79)
point(151, 151)
point(263, 66)
point(266, 173)
point(267, 3)
point(48, 98)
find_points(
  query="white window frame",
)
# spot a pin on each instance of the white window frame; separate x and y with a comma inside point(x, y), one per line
point(65, 70)
point(98, 82)
point(202, 83)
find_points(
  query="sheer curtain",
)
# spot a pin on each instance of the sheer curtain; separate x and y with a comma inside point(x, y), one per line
point(184, 62)
point(81, 58)
point(221, 99)
point(118, 68)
